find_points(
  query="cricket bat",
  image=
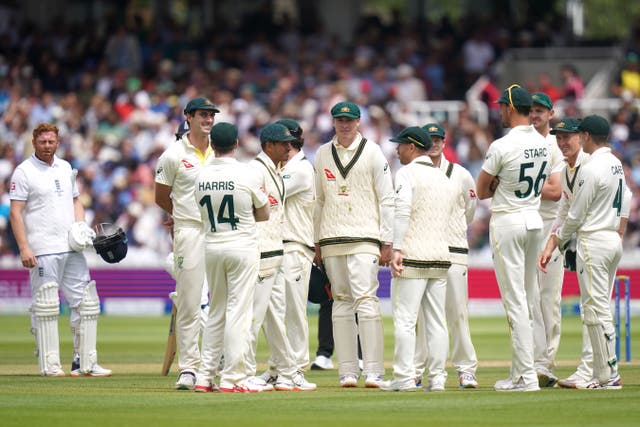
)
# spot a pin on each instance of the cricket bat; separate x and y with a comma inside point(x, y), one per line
point(170, 352)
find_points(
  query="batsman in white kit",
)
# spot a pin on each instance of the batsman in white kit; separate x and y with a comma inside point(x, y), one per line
point(231, 200)
point(425, 202)
point(513, 173)
point(44, 210)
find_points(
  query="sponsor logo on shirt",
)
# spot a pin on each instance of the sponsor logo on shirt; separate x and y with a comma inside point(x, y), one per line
point(272, 200)
point(186, 164)
point(330, 176)
point(159, 170)
point(472, 194)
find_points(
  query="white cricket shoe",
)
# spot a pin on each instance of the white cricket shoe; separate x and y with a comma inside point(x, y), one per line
point(395, 385)
point(347, 381)
point(437, 384)
point(546, 377)
point(613, 383)
point(96, 371)
point(54, 371)
point(322, 363)
point(297, 383)
point(257, 383)
point(245, 386)
point(268, 378)
point(468, 381)
point(186, 381)
point(205, 385)
point(373, 380)
point(576, 381)
point(509, 385)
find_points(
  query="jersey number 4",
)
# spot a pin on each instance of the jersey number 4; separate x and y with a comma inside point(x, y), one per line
point(225, 205)
point(531, 184)
point(617, 200)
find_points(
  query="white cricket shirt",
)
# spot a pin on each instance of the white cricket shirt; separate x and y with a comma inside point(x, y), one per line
point(48, 192)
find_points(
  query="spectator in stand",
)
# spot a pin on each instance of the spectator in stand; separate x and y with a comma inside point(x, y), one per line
point(545, 85)
point(573, 88)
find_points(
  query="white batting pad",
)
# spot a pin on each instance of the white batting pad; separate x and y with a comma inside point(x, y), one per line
point(46, 308)
point(89, 310)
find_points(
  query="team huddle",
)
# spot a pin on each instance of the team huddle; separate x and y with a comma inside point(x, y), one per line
point(251, 233)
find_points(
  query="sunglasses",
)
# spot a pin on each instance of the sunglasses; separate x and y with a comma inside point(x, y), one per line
point(509, 92)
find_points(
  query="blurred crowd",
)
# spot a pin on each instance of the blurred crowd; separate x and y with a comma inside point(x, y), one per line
point(117, 91)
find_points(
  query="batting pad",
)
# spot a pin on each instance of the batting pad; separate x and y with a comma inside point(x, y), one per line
point(89, 310)
point(46, 309)
point(603, 343)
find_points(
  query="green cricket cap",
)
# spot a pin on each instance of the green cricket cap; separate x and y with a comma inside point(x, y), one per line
point(223, 134)
point(414, 135)
point(346, 109)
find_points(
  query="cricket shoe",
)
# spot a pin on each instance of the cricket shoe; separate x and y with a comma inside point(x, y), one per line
point(205, 385)
point(510, 385)
point(418, 381)
point(243, 387)
point(467, 381)
point(186, 381)
point(268, 378)
point(437, 384)
point(546, 377)
point(576, 381)
point(321, 363)
point(54, 371)
point(96, 371)
point(347, 381)
point(613, 383)
point(373, 380)
point(297, 383)
point(75, 363)
point(395, 385)
point(257, 383)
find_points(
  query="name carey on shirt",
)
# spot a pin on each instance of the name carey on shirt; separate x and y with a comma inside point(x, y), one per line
point(530, 153)
point(216, 186)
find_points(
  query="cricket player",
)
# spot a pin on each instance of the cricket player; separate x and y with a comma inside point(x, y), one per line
point(269, 295)
point(513, 173)
point(353, 222)
point(547, 317)
point(463, 354)
point(595, 217)
point(424, 205)
point(299, 250)
point(230, 201)
point(175, 174)
point(44, 210)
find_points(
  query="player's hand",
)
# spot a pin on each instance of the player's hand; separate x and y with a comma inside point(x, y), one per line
point(168, 223)
point(27, 258)
point(543, 260)
point(385, 255)
point(396, 263)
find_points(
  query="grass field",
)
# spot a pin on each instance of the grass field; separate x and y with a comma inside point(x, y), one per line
point(136, 395)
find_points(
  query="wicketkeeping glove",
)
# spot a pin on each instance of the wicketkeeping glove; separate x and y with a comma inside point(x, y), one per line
point(569, 251)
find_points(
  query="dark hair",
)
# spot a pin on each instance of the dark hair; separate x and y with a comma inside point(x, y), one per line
point(523, 109)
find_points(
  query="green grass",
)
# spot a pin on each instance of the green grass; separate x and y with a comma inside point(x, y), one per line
point(138, 396)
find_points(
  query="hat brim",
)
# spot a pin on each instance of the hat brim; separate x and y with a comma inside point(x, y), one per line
point(347, 115)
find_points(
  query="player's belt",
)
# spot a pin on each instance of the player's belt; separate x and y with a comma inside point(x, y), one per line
point(271, 254)
point(300, 243)
point(345, 240)
point(456, 250)
point(426, 264)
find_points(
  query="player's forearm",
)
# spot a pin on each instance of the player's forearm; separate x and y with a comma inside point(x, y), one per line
point(19, 230)
point(78, 210)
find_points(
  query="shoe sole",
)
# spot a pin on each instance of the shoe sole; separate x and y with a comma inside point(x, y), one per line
point(349, 385)
point(90, 375)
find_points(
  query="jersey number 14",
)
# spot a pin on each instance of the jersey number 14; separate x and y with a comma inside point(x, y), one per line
point(226, 206)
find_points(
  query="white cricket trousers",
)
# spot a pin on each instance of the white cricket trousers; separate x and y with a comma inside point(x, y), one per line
point(597, 258)
point(188, 252)
point(408, 298)
point(548, 318)
point(296, 266)
point(232, 272)
point(354, 284)
point(515, 257)
point(268, 309)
